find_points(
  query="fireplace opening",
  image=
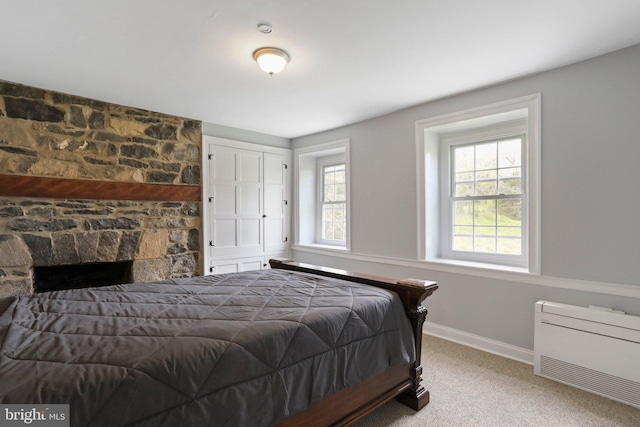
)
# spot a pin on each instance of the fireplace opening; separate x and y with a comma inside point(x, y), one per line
point(60, 277)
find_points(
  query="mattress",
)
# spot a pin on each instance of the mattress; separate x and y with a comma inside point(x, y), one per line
point(242, 349)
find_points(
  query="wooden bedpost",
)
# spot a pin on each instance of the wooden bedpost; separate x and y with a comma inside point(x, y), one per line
point(411, 292)
point(416, 397)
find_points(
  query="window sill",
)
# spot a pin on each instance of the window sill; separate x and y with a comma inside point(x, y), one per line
point(318, 246)
point(436, 264)
point(477, 265)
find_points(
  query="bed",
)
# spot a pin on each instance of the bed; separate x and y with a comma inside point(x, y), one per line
point(292, 345)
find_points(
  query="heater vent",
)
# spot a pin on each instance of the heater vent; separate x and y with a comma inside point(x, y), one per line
point(591, 349)
point(617, 388)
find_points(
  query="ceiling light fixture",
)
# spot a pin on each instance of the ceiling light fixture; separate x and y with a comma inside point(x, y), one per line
point(270, 59)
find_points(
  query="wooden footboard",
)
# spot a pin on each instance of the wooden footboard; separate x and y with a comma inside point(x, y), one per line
point(401, 382)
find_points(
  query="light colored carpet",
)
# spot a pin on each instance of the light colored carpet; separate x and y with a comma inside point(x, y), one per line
point(470, 387)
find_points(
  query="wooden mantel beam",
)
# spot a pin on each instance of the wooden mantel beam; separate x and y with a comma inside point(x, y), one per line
point(63, 188)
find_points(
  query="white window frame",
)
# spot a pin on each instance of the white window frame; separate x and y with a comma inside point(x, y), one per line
point(502, 131)
point(433, 182)
point(321, 163)
point(307, 214)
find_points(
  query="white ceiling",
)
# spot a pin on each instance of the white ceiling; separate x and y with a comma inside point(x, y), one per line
point(350, 59)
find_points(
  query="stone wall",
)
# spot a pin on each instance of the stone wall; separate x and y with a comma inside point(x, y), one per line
point(52, 134)
point(49, 134)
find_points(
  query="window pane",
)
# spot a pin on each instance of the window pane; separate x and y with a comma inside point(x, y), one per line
point(463, 243)
point(486, 175)
point(510, 186)
point(334, 221)
point(329, 176)
point(340, 193)
point(486, 184)
point(486, 156)
point(464, 184)
point(509, 173)
point(509, 232)
point(510, 181)
point(463, 230)
point(464, 159)
point(510, 212)
point(485, 231)
point(329, 193)
point(327, 232)
point(327, 213)
point(510, 153)
point(486, 188)
point(509, 246)
point(463, 213)
point(464, 190)
point(464, 177)
point(510, 227)
point(338, 231)
point(484, 245)
point(484, 212)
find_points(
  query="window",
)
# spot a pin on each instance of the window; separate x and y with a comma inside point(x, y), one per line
point(333, 206)
point(479, 186)
point(322, 189)
point(484, 199)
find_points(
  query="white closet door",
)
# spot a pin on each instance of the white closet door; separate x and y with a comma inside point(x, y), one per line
point(236, 265)
point(275, 203)
point(236, 183)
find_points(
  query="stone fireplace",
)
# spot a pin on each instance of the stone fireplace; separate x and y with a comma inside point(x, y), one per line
point(83, 182)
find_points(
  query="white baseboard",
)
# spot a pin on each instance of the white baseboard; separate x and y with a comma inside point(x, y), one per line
point(481, 343)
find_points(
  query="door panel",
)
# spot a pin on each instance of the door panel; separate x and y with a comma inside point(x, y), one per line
point(236, 202)
point(249, 167)
point(251, 264)
point(225, 268)
point(225, 232)
point(274, 201)
point(250, 202)
point(224, 165)
point(273, 169)
point(275, 204)
point(224, 200)
point(236, 265)
point(274, 234)
point(250, 233)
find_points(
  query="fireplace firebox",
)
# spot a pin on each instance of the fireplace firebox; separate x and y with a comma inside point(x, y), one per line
point(60, 277)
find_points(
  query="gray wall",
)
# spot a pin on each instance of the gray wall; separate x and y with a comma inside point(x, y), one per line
point(590, 203)
point(227, 132)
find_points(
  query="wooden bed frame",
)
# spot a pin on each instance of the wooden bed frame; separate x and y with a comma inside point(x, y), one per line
point(401, 382)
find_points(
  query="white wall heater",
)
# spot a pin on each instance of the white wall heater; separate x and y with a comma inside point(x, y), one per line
point(591, 348)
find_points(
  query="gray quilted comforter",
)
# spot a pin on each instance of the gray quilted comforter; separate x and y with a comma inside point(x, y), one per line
point(244, 349)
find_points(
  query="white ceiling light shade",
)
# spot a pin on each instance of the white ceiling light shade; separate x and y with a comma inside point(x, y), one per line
point(270, 59)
